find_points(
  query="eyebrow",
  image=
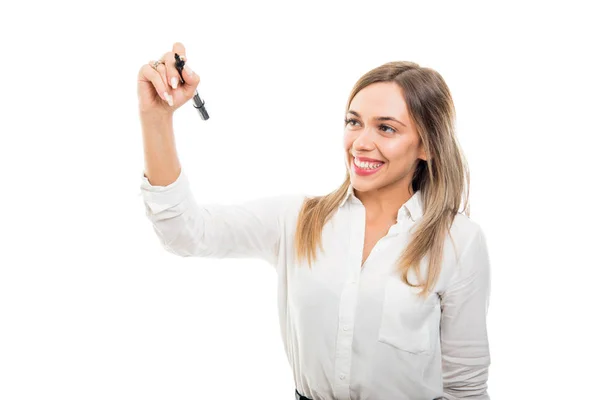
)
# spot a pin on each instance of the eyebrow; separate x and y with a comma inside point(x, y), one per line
point(379, 118)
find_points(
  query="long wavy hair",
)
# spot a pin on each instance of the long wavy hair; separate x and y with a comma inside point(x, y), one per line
point(442, 179)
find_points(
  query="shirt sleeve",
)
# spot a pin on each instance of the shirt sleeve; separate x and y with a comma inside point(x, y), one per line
point(246, 230)
point(464, 340)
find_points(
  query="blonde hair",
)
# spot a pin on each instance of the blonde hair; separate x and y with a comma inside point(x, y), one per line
point(442, 178)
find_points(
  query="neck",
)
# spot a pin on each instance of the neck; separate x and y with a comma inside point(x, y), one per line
point(383, 204)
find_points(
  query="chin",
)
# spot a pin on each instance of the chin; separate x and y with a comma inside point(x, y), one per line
point(359, 184)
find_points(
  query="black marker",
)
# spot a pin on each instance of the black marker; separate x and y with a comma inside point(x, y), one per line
point(198, 102)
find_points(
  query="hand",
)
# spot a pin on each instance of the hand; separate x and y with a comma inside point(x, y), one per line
point(155, 93)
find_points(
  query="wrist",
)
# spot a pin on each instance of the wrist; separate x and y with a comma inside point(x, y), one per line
point(155, 116)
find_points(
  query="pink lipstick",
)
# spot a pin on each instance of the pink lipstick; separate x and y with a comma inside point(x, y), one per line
point(364, 171)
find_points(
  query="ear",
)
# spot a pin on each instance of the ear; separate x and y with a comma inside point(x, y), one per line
point(422, 154)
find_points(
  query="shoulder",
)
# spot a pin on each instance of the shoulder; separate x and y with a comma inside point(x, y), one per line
point(464, 231)
point(471, 243)
point(465, 241)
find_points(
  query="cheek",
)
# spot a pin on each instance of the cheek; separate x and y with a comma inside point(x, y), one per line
point(348, 140)
point(395, 150)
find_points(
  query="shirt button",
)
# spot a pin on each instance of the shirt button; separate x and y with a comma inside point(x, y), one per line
point(342, 376)
point(346, 327)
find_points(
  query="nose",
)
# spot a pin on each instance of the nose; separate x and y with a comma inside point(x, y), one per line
point(364, 141)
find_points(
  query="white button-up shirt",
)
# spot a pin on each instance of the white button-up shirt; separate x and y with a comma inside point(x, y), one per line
point(350, 333)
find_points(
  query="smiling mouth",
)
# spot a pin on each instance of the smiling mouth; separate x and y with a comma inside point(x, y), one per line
point(366, 169)
point(367, 165)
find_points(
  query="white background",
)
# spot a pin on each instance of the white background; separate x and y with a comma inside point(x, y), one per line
point(91, 307)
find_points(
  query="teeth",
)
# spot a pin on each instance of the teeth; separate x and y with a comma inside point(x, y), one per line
point(367, 165)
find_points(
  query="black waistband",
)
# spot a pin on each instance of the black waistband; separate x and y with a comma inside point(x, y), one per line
point(300, 397)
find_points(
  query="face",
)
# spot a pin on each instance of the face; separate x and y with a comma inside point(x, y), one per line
point(393, 143)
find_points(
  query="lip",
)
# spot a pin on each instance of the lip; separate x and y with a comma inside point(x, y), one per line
point(362, 172)
point(366, 159)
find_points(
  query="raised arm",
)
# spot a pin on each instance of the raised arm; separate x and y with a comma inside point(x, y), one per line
point(464, 340)
point(185, 227)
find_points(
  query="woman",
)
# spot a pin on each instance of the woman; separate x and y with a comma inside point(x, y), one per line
point(383, 286)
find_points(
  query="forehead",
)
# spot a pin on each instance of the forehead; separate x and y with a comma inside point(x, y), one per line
point(381, 99)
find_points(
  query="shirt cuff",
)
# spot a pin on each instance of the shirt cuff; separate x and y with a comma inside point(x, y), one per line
point(159, 198)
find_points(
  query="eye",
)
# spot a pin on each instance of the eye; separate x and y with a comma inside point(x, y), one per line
point(388, 127)
point(349, 120)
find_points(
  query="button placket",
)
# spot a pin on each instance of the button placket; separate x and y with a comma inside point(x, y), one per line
point(346, 316)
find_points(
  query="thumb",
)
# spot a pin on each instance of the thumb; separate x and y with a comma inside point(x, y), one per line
point(191, 79)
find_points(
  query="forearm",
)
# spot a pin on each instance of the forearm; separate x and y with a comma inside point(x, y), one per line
point(162, 166)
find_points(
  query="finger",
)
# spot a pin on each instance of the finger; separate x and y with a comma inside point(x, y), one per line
point(162, 71)
point(172, 75)
point(190, 77)
point(159, 84)
point(179, 48)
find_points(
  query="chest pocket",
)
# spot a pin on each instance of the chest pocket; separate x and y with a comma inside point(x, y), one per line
point(409, 323)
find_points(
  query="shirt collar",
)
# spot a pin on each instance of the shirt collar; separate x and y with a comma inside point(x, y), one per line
point(413, 207)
